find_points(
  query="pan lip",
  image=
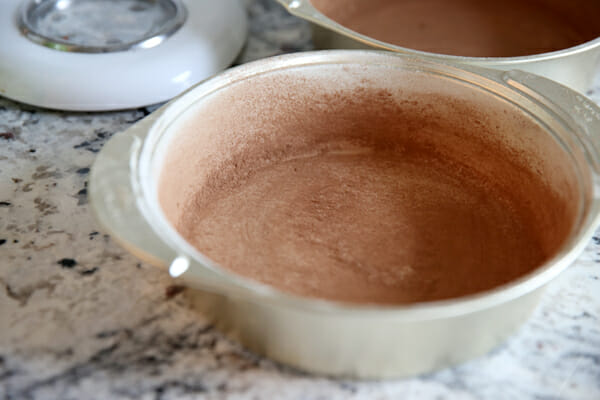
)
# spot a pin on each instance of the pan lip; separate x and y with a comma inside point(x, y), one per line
point(306, 10)
point(249, 290)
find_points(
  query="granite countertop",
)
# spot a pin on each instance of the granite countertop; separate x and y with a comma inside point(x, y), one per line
point(80, 318)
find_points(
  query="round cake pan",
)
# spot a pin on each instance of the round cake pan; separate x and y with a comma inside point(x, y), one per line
point(575, 67)
point(337, 338)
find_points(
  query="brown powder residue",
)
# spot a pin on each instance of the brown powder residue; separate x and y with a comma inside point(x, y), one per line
point(358, 187)
point(476, 28)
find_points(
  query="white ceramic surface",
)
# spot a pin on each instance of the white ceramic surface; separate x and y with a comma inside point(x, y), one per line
point(208, 42)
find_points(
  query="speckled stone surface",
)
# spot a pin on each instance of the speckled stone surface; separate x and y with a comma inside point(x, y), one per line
point(80, 318)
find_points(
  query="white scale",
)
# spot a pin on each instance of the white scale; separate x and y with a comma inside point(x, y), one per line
point(96, 55)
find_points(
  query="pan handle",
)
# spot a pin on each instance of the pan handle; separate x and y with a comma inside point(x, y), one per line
point(115, 201)
point(579, 115)
point(573, 107)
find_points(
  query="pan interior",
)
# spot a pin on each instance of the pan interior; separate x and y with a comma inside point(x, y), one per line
point(474, 28)
point(367, 184)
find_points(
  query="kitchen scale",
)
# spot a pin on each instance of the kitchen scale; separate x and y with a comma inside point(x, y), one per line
point(96, 55)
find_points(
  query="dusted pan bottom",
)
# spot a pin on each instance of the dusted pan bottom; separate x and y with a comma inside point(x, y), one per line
point(363, 191)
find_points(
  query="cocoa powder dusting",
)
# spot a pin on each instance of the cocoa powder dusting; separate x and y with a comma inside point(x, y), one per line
point(476, 28)
point(365, 187)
